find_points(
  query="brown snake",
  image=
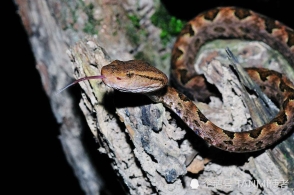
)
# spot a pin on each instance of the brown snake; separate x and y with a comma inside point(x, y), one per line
point(227, 22)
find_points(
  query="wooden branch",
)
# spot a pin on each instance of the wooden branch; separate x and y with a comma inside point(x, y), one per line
point(154, 137)
point(150, 148)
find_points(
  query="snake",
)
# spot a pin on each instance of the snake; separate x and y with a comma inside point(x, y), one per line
point(137, 76)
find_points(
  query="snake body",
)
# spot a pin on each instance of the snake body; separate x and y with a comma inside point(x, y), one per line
point(226, 22)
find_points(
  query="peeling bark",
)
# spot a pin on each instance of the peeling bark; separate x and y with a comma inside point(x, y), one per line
point(150, 149)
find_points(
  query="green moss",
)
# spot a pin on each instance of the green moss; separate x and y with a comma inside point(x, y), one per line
point(90, 26)
point(140, 55)
point(133, 30)
point(165, 56)
point(132, 34)
point(135, 20)
point(69, 15)
point(170, 25)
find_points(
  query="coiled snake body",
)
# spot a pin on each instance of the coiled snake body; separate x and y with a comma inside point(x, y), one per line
point(227, 22)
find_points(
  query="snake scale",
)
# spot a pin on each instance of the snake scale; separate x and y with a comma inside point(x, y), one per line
point(137, 76)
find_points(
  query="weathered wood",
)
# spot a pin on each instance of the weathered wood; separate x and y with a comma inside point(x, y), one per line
point(151, 149)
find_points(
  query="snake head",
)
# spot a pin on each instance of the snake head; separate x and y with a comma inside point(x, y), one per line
point(133, 76)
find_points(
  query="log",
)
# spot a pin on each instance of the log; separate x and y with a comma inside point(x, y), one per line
point(149, 148)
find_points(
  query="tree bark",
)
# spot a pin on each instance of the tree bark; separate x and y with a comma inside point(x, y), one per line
point(151, 151)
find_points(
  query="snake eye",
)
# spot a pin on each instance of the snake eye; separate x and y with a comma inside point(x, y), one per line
point(129, 74)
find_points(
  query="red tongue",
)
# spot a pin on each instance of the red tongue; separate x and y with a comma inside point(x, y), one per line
point(79, 80)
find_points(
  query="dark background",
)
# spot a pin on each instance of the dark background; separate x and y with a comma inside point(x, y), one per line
point(35, 160)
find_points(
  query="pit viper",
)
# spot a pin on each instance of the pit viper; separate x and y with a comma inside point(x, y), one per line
point(138, 76)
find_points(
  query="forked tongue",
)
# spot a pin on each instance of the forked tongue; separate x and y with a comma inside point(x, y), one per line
point(79, 80)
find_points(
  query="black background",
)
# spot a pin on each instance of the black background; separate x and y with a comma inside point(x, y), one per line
point(35, 160)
